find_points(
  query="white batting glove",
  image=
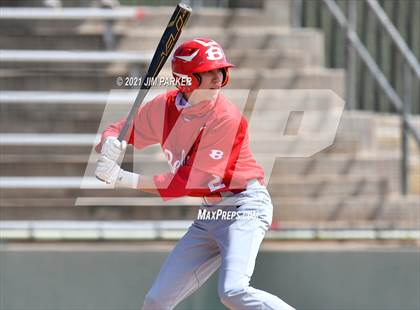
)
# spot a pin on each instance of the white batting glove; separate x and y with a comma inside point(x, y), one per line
point(113, 148)
point(110, 172)
point(127, 179)
point(107, 170)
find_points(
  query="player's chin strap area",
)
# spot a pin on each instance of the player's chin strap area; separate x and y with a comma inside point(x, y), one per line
point(212, 200)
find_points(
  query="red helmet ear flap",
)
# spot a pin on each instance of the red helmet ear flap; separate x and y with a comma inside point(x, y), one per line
point(195, 80)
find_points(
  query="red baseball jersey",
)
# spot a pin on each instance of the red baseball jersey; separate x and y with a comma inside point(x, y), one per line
point(206, 145)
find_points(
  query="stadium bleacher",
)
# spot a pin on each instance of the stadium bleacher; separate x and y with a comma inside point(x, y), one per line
point(56, 72)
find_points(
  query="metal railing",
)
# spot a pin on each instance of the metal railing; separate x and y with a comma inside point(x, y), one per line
point(376, 39)
point(402, 103)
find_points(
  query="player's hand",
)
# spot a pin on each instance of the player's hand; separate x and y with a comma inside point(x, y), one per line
point(107, 170)
point(110, 172)
point(113, 148)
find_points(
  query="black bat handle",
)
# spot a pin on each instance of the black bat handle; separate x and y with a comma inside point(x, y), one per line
point(163, 50)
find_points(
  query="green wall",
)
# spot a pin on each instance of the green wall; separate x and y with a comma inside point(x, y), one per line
point(118, 280)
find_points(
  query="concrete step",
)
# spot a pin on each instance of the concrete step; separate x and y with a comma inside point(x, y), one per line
point(358, 125)
point(61, 112)
point(242, 38)
point(68, 154)
point(117, 61)
point(28, 41)
point(50, 144)
point(314, 78)
point(388, 132)
point(284, 39)
point(391, 142)
point(387, 140)
point(321, 187)
point(266, 143)
point(38, 3)
point(60, 187)
point(70, 165)
point(80, 112)
point(369, 211)
point(353, 177)
point(391, 209)
point(65, 209)
point(335, 165)
point(354, 128)
point(72, 160)
point(220, 17)
point(270, 58)
point(315, 187)
point(414, 180)
point(19, 149)
point(48, 118)
point(151, 17)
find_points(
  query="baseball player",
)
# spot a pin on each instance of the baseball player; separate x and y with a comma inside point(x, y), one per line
point(206, 142)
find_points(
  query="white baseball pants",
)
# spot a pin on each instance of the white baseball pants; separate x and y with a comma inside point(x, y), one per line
point(209, 244)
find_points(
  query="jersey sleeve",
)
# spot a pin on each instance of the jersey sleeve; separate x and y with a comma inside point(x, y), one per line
point(148, 125)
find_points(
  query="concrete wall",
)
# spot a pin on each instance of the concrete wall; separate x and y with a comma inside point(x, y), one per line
point(118, 280)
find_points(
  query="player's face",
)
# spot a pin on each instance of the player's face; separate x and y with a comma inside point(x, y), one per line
point(211, 79)
point(211, 82)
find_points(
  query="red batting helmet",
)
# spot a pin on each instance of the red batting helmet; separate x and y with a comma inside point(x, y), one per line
point(195, 56)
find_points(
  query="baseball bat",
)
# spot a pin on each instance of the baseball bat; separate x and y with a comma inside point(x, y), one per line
point(163, 50)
